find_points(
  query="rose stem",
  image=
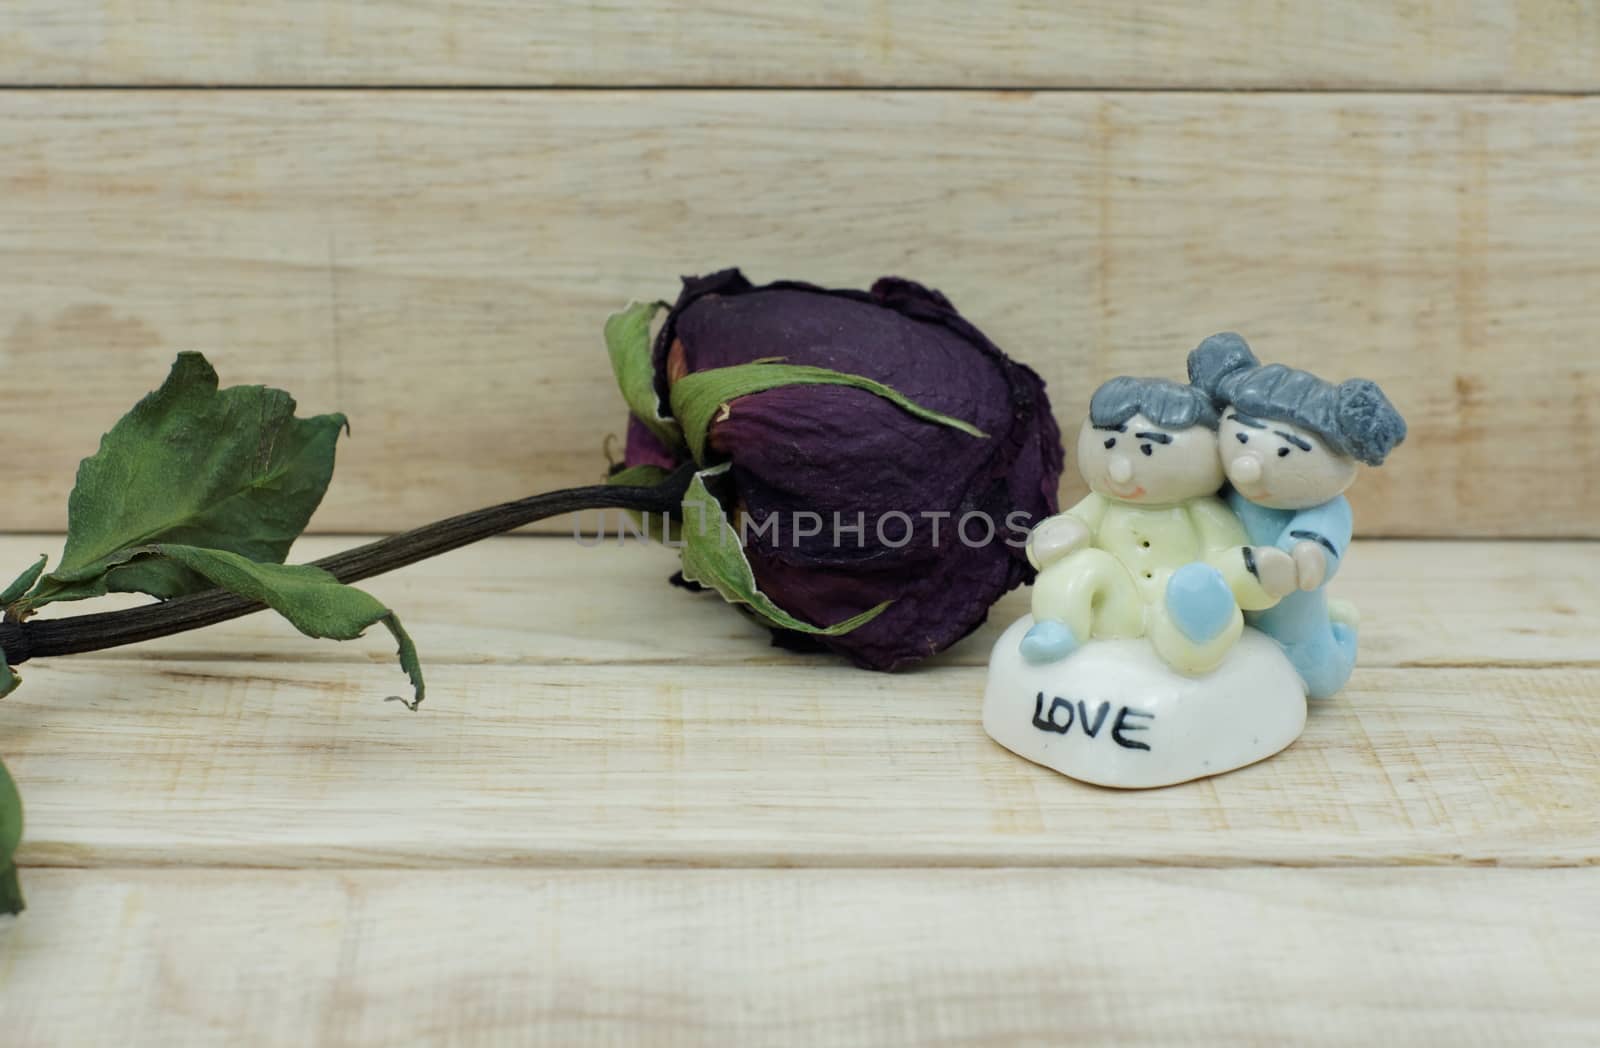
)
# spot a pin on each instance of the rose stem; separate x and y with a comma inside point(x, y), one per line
point(72, 635)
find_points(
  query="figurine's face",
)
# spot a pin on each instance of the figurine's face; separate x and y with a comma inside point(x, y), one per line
point(1279, 464)
point(1142, 462)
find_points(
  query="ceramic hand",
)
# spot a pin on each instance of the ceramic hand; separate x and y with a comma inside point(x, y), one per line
point(1311, 564)
point(1276, 570)
point(1054, 538)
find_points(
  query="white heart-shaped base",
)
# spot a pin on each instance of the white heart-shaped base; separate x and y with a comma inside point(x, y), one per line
point(1112, 713)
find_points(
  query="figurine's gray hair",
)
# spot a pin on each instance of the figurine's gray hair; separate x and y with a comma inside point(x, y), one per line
point(1354, 417)
point(1168, 404)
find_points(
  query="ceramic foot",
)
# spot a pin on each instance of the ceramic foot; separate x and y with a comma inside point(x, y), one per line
point(1047, 641)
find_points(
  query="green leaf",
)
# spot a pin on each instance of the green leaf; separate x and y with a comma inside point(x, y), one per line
point(314, 602)
point(229, 469)
point(697, 398)
point(649, 524)
point(10, 837)
point(628, 345)
point(8, 677)
point(23, 582)
point(712, 556)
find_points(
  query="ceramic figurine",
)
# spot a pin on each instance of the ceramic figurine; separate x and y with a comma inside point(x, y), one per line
point(1179, 620)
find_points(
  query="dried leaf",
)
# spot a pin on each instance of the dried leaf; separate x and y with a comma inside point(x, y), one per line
point(23, 582)
point(314, 602)
point(10, 837)
point(713, 557)
point(229, 469)
point(702, 397)
point(628, 345)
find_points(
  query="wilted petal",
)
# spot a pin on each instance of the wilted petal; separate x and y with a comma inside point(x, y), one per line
point(821, 456)
point(643, 449)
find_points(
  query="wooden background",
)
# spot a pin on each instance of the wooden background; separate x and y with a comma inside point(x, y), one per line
point(1407, 192)
point(621, 817)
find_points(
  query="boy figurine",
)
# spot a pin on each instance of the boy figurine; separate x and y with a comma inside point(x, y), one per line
point(1151, 551)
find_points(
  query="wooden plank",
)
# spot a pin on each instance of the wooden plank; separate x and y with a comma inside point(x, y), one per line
point(914, 957)
point(438, 264)
point(282, 764)
point(533, 600)
point(1494, 45)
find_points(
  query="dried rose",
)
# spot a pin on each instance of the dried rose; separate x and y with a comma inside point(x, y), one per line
point(774, 406)
point(869, 461)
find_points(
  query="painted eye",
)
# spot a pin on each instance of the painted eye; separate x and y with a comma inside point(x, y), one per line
point(1283, 452)
point(1145, 448)
point(1244, 438)
point(1111, 442)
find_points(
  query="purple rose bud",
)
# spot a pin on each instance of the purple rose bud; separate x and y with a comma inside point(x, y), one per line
point(875, 448)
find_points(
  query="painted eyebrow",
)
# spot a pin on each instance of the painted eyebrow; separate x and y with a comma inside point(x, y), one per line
point(1248, 420)
point(1291, 438)
point(1120, 427)
point(1159, 438)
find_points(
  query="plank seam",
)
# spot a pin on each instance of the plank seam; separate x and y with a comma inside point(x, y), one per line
point(1441, 862)
point(967, 89)
point(335, 658)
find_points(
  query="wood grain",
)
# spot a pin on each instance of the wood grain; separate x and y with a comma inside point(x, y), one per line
point(321, 867)
point(437, 265)
point(956, 957)
point(622, 817)
point(1367, 44)
point(813, 765)
point(537, 600)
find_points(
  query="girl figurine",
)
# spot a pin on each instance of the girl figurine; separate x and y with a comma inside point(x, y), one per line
point(1289, 443)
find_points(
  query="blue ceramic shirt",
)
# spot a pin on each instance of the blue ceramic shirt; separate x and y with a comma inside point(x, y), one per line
point(1323, 651)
